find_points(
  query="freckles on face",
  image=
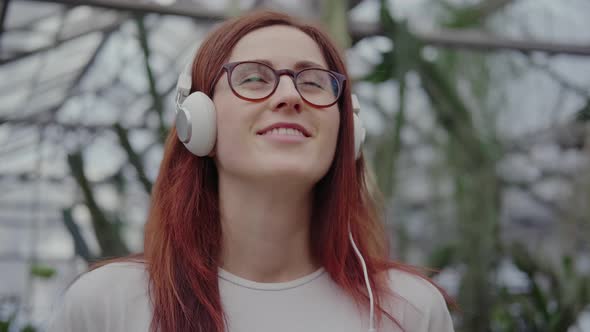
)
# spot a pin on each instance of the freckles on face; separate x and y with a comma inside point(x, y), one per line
point(244, 147)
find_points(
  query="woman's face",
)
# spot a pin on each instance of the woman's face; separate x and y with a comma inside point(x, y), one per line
point(244, 148)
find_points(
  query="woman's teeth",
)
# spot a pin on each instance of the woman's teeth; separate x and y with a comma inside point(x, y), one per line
point(284, 131)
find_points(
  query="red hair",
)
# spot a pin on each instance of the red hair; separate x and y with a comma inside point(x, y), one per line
point(183, 233)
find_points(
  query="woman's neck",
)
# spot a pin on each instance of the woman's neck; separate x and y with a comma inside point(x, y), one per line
point(265, 230)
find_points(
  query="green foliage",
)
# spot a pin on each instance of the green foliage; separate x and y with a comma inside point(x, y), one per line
point(402, 59)
point(42, 271)
point(583, 114)
point(5, 325)
point(385, 18)
point(555, 297)
point(383, 71)
point(335, 17)
point(29, 328)
point(8, 312)
point(443, 256)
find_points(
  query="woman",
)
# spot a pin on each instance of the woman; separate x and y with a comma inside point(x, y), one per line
point(260, 205)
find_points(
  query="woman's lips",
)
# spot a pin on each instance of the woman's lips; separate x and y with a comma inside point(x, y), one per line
point(285, 128)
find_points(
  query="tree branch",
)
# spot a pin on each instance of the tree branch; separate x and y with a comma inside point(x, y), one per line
point(21, 55)
point(156, 97)
point(133, 157)
point(107, 234)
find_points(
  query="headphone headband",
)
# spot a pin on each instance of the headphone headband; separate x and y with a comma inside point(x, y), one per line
point(356, 106)
point(183, 85)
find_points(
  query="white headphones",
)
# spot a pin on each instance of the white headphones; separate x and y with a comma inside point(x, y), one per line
point(196, 125)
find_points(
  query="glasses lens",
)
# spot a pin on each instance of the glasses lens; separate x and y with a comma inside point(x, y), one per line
point(252, 80)
point(318, 86)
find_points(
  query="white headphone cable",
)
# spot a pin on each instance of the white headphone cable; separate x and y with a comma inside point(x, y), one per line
point(369, 291)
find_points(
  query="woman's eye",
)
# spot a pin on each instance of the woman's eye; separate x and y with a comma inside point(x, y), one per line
point(313, 84)
point(253, 79)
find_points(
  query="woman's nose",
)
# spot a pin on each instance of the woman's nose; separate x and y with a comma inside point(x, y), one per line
point(286, 95)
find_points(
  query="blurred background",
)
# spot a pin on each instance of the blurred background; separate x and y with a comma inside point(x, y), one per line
point(478, 119)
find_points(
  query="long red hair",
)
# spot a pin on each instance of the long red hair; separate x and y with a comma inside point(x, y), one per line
point(183, 233)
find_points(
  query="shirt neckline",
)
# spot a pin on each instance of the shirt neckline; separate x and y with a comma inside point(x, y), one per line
point(269, 286)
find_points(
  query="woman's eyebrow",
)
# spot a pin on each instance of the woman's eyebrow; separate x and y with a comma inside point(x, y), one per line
point(298, 65)
point(307, 64)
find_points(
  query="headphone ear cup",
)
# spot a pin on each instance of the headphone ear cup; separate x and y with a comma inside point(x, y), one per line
point(196, 124)
point(359, 135)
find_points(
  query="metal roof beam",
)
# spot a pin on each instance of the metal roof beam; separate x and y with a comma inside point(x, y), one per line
point(178, 8)
point(442, 37)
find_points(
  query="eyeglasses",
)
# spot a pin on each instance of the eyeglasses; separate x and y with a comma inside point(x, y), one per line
point(255, 81)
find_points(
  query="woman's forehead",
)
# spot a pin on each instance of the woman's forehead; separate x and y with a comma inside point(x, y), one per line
point(281, 46)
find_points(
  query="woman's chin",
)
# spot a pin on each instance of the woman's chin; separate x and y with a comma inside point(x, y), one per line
point(289, 172)
point(279, 168)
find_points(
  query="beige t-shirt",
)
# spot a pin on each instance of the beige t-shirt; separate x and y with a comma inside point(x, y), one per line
point(114, 298)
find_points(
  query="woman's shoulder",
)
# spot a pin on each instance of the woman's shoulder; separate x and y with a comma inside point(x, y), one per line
point(110, 278)
point(109, 284)
point(99, 299)
point(423, 303)
point(121, 271)
point(413, 287)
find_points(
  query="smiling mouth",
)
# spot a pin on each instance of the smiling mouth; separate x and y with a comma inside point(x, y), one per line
point(283, 132)
point(285, 129)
